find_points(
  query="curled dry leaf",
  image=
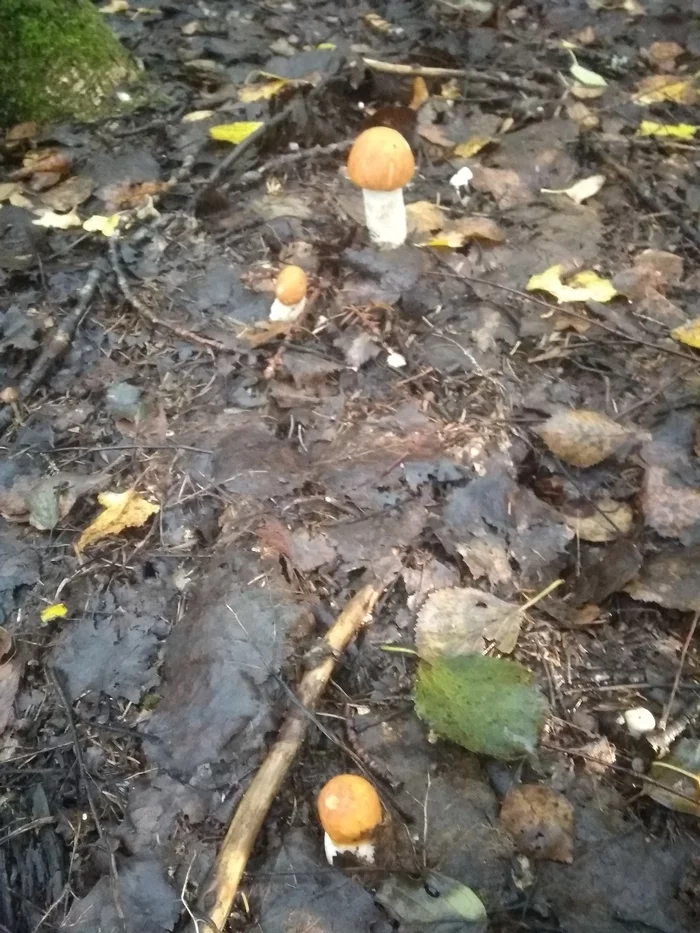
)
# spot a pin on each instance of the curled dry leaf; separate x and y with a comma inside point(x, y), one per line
point(583, 438)
point(540, 821)
point(506, 186)
point(599, 521)
point(583, 286)
point(121, 510)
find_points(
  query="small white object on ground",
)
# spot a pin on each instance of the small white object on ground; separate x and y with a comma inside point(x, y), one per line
point(462, 178)
point(395, 360)
point(639, 721)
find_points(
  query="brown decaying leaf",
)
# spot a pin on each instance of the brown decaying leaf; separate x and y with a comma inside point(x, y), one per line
point(583, 438)
point(51, 160)
point(599, 521)
point(671, 579)
point(506, 186)
point(664, 54)
point(459, 620)
point(540, 821)
point(424, 217)
point(124, 197)
point(69, 194)
point(671, 507)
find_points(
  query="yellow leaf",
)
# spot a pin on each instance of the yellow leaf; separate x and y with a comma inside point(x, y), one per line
point(676, 130)
point(234, 132)
point(424, 217)
point(116, 6)
point(585, 286)
point(420, 93)
point(472, 146)
point(55, 221)
point(450, 90)
point(57, 611)
point(461, 231)
point(326, 45)
point(689, 333)
point(121, 510)
point(658, 89)
point(196, 115)
point(253, 92)
point(584, 75)
point(101, 224)
point(581, 190)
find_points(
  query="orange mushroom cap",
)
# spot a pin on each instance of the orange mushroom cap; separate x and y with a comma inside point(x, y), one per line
point(291, 285)
point(349, 809)
point(381, 160)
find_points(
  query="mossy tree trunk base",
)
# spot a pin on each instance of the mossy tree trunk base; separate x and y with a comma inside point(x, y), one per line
point(58, 59)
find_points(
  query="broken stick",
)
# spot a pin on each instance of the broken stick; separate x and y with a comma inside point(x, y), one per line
point(218, 896)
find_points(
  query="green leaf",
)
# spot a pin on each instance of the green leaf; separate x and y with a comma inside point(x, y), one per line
point(489, 705)
point(434, 899)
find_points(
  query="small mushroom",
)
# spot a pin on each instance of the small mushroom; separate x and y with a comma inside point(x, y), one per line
point(639, 721)
point(381, 163)
point(10, 396)
point(290, 294)
point(350, 812)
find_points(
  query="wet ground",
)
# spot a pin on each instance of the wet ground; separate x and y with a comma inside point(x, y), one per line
point(292, 466)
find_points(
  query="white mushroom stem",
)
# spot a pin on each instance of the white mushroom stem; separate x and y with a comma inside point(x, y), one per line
point(364, 851)
point(386, 216)
point(282, 312)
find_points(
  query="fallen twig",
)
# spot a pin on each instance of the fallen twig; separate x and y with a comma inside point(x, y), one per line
point(427, 71)
point(57, 345)
point(218, 896)
point(289, 158)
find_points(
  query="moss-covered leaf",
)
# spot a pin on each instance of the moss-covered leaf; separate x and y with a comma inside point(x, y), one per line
point(488, 705)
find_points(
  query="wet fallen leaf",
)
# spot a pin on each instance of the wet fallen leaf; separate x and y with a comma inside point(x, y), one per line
point(671, 505)
point(659, 89)
point(10, 673)
point(461, 620)
point(472, 146)
point(671, 579)
point(679, 772)
point(56, 611)
point(459, 232)
point(234, 132)
point(540, 821)
point(585, 76)
point(375, 22)
point(98, 223)
point(196, 115)
point(421, 95)
point(653, 269)
point(252, 92)
point(581, 190)
point(69, 193)
point(429, 901)
point(580, 92)
point(114, 6)
point(22, 131)
point(674, 130)
point(688, 334)
point(424, 217)
point(583, 286)
point(506, 186)
point(435, 134)
point(599, 521)
point(490, 706)
point(121, 510)
point(664, 54)
point(582, 438)
point(55, 221)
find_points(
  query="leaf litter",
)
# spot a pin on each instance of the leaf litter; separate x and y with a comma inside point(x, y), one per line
point(518, 443)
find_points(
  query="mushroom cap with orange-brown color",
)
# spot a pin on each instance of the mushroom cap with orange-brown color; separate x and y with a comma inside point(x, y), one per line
point(291, 285)
point(381, 160)
point(349, 809)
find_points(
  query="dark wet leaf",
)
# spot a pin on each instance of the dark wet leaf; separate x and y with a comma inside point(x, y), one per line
point(433, 899)
point(144, 892)
point(679, 773)
point(671, 579)
point(10, 673)
point(488, 705)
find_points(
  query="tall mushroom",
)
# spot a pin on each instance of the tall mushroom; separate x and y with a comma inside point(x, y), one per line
point(350, 812)
point(381, 163)
point(290, 294)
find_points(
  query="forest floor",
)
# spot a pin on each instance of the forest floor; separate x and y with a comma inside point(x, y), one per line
point(513, 465)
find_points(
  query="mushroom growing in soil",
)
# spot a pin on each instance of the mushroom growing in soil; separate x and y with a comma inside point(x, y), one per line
point(381, 163)
point(290, 294)
point(350, 812)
